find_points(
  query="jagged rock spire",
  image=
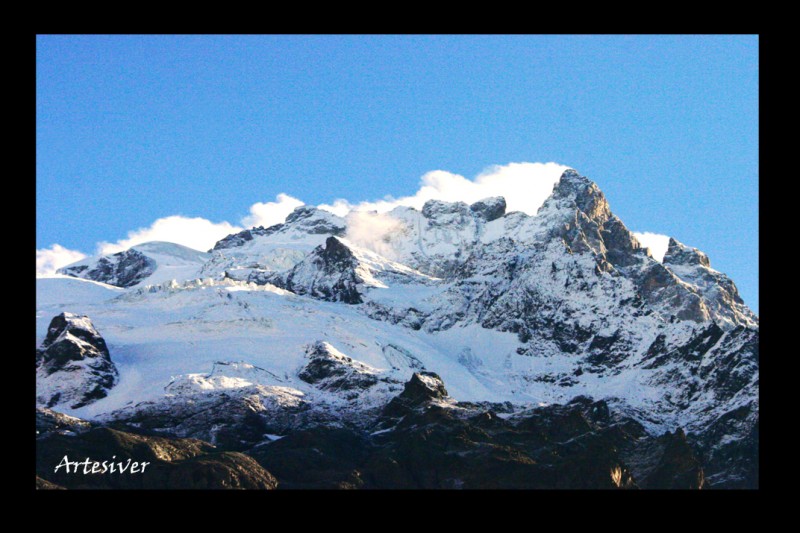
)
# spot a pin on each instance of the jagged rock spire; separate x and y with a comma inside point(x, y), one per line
point(680, 254)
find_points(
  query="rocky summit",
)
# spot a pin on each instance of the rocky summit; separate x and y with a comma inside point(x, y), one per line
point(73, 366)
point(454, 346)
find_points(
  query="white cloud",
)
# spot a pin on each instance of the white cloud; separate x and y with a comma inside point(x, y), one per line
point(48, 260)
point(270, 213)
point(525, 187)
point(369, 230)
point(655, 241)
point(198, 233)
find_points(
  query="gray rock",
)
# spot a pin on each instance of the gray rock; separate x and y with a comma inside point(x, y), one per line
point(489, 208)
point(73, 365)
point(123, 269)
point(331, 371)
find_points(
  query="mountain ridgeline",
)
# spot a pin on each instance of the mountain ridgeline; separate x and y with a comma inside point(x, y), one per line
point(455, 346)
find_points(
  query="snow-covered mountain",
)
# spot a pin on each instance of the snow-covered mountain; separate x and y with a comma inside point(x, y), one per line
point(147, 263)
point(297, 326)
point(279, 247)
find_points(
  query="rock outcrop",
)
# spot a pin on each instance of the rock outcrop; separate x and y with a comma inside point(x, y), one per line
point(122, 269)
point(73, 365)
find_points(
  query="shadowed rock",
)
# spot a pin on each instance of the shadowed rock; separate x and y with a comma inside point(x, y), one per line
point(73, 365)
point(489, 208)
point(122, 269)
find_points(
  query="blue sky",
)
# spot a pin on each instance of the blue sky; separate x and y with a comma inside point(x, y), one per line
point(134, 129)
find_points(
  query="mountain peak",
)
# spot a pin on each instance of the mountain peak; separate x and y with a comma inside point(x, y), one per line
point(340, 272)
point(315, 221)
point(327, 273)
point(680, 254)
point(122, 269)
point(73, 364)
point(585, 193)
point(79, 325)
point(336, 252)
point(305, 223)
point(150, 262)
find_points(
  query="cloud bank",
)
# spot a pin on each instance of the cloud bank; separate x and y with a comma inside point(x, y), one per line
point(197, 233)
point(48, 260)
point(370, 230)
point(270, 213)
point(655, 241)
point(525, 187)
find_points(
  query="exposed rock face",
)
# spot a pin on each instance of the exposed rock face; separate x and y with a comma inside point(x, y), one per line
point(490, 208)
point(238, 239)
point(233, 419)
point(151, 262)
point(717, 291)
point(421, 389)
point(422, 439)
point(680, 254)
point(317, 458)
point(339, 272)
point(730, 448)
point(665, 462)
point(330, 369)
point(73, 366)
point(328, 273)
point(123, 269)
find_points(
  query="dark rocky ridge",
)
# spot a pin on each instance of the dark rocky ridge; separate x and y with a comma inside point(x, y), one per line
point(53, 422)
point(335, 273)
point(238, 239)
point(423, 444)
point(428, 441)
point(422, 439)
point(331, 371)
point(122, 269)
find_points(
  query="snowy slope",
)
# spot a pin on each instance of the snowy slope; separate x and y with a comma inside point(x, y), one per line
point(66, 290)
point(156, 337)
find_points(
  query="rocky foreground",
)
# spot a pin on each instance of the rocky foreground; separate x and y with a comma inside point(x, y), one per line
point(421, 439)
